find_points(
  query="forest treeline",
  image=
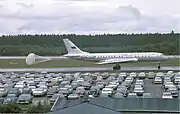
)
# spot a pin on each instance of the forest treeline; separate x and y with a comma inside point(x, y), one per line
point(51, 44)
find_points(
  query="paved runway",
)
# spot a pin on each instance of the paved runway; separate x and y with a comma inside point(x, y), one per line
point(89, 69)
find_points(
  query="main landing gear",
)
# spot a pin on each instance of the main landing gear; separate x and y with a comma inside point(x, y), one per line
point(159, 66)
point(117, 67)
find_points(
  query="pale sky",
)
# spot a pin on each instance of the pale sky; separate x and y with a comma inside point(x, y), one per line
point(88, 16)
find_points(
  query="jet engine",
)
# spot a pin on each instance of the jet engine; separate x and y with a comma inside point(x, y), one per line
point(35, 59)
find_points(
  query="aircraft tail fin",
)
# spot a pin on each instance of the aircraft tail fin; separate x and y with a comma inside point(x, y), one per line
point(71, 47)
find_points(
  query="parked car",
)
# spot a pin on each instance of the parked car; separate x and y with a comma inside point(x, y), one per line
point(133, 74)
point(129, 79)
point(26, 91)
point(173, 90)
point(178, 86)
point(150, 75)
point(146, 95)
point(51, 92)
point(177, 79)
point(1, 100)
point(55, 97)
point(158, 80)
point(10, 98)
point(107, 91)
point(73, 96)
point(39, 92)
point(139, 82)
point(80, 90)
point(167, 95)
point(85, 84)
point(25, 99)
point(167, 85)
point(64, 91)
point(160, 74)
point(139, 91)
point(132, 95)
point(3, 92)
point(118, 95)
point(95, 91)
point(100, 84)
point(74, 84)
point(70, 88)
point(142, 75)
point(14, 91)
point(122, 90)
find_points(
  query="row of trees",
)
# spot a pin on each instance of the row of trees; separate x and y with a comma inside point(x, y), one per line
point(53, 45)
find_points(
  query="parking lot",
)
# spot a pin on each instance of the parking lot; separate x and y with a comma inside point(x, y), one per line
point(48, 87)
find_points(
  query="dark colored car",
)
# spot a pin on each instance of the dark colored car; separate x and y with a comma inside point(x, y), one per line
point(14, 91)
point(3, 92)
point(118, 95)
point(26, 91)
point(95, 91)
point(25, 99)
point(123, 90)
point(10, 98)
point(1, 100)
point(51, 92)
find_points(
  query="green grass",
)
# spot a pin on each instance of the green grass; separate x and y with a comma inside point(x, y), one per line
point(20, 63)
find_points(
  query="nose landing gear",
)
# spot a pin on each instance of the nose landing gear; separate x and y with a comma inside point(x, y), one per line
point(117, 67)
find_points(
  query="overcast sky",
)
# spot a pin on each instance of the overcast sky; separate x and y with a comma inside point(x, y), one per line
point(88, 16)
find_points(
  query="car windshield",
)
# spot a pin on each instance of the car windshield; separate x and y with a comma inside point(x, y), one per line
point(24, 96)
point(11, 95)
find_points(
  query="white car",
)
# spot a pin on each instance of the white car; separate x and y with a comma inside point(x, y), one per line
point(167, 85)
point(158, 80)
point(80, 90)
point(139, 82)
point(73, 96)
point(107, 91)
point(133, 74)
point(159, 74)
point(130, 79)
point(142, 75)
point(39, 92)
point(177, 79)
point(170, 73)
point(139, 91)
point(167, 95)
point(138, 86)
point(80, 80)
point(178, 86)
point(150, 75)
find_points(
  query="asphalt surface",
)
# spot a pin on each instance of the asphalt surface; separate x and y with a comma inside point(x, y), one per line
point(155, 89)
point(84, 69)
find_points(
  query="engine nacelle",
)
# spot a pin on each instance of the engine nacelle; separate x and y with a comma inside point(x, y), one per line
point(35, 59)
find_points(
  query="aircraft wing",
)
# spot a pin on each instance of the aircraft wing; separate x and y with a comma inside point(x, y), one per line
point(119, 60)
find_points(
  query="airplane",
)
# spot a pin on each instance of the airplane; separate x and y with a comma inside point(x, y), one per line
point(110, 58)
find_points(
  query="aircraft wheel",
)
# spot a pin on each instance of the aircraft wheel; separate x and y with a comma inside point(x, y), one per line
point(117, 67)
point(159, 66)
